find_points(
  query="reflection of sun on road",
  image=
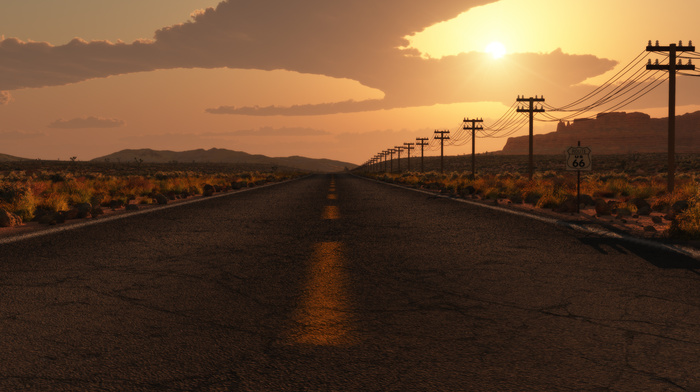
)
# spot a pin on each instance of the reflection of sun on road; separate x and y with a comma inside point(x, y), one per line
point(323, 315)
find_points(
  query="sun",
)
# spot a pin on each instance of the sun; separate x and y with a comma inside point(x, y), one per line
point(496, 49)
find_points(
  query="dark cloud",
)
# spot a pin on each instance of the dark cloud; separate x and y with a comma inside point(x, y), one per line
point(358, 40)
point(87, 122)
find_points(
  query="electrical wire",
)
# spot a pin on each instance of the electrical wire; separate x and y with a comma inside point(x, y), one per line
point(614, 92)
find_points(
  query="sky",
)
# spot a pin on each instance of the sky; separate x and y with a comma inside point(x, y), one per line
point(322, 79)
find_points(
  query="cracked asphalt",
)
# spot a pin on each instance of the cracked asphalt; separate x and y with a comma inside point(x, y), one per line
point(336, 283)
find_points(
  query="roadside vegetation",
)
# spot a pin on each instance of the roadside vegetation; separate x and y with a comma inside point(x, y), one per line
point(54, 192)
point(623, 187)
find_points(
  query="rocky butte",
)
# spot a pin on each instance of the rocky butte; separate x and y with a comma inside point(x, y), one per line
point(614, 133)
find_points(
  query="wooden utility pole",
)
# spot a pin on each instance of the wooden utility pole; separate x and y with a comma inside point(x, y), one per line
point(399, 149)
point(422, 142)
point(671, 67)
point(532, 110)
point(385, 153)
point(442, 139)
point(473, 128)
point(409, 147)
point(391, 161)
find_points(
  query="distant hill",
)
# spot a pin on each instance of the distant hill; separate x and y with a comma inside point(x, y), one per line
point(218, 155)
point(614, 133)
point(10, 158)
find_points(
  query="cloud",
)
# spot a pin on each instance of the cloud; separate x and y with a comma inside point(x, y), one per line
point(18, 135)
point(277, 132)
point(358, 40)
point(302, 110)
point(5, 97)
point(87, 122)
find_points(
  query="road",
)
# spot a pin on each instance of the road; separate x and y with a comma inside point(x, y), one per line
point(338, 283)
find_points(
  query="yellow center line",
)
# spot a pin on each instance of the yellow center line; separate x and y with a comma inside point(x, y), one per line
point(323, 317)
point(331, 212)
point(332, 196)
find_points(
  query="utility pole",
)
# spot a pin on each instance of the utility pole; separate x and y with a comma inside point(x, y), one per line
point(391, 161)
point(422, 142)
point(399, 149)
point(532, 110)
point(671, 67)
point(409, 147)
point(442, 139)
point(473, 128)
point(385, 153)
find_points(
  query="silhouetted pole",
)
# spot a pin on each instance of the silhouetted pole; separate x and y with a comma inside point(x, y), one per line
point(422, 142)
point(409, 147)
point(473, 128)
point(399, 149)
point(391, 161)
point(385, 152)
point(672, 67)
point(532, 110)
point(442, 139)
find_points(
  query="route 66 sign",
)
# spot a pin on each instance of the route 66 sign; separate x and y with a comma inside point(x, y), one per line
point(578, 158)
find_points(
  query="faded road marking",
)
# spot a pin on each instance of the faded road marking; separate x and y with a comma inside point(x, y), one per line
point(331, 212)
point(323, 316)
point(332, 196)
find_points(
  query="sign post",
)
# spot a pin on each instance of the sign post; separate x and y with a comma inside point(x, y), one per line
point(578, 158)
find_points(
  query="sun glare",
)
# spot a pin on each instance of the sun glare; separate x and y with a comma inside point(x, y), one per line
point(496, 49)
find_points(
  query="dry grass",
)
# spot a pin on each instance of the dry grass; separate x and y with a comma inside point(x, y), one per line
point(56, 189)
point(550, 189)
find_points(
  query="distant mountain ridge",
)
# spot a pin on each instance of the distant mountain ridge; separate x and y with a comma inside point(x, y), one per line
point(220, 155)
point(614, 133)
point(10, 158)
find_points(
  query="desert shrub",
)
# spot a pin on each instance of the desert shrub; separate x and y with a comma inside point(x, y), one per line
point(54, 202)
point(549, 200)
point(532, 196)
point(10, 192)
point(618, 187)
point(24, 206)
point(490, 193)
point(687, 223)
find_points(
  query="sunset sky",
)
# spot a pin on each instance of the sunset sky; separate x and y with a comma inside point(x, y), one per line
point(323, 79)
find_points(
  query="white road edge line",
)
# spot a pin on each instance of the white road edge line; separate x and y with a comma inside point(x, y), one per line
point(123, 215)
point(684, 250)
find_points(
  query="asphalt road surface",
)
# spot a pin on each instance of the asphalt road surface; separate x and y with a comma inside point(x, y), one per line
point(337, 283)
